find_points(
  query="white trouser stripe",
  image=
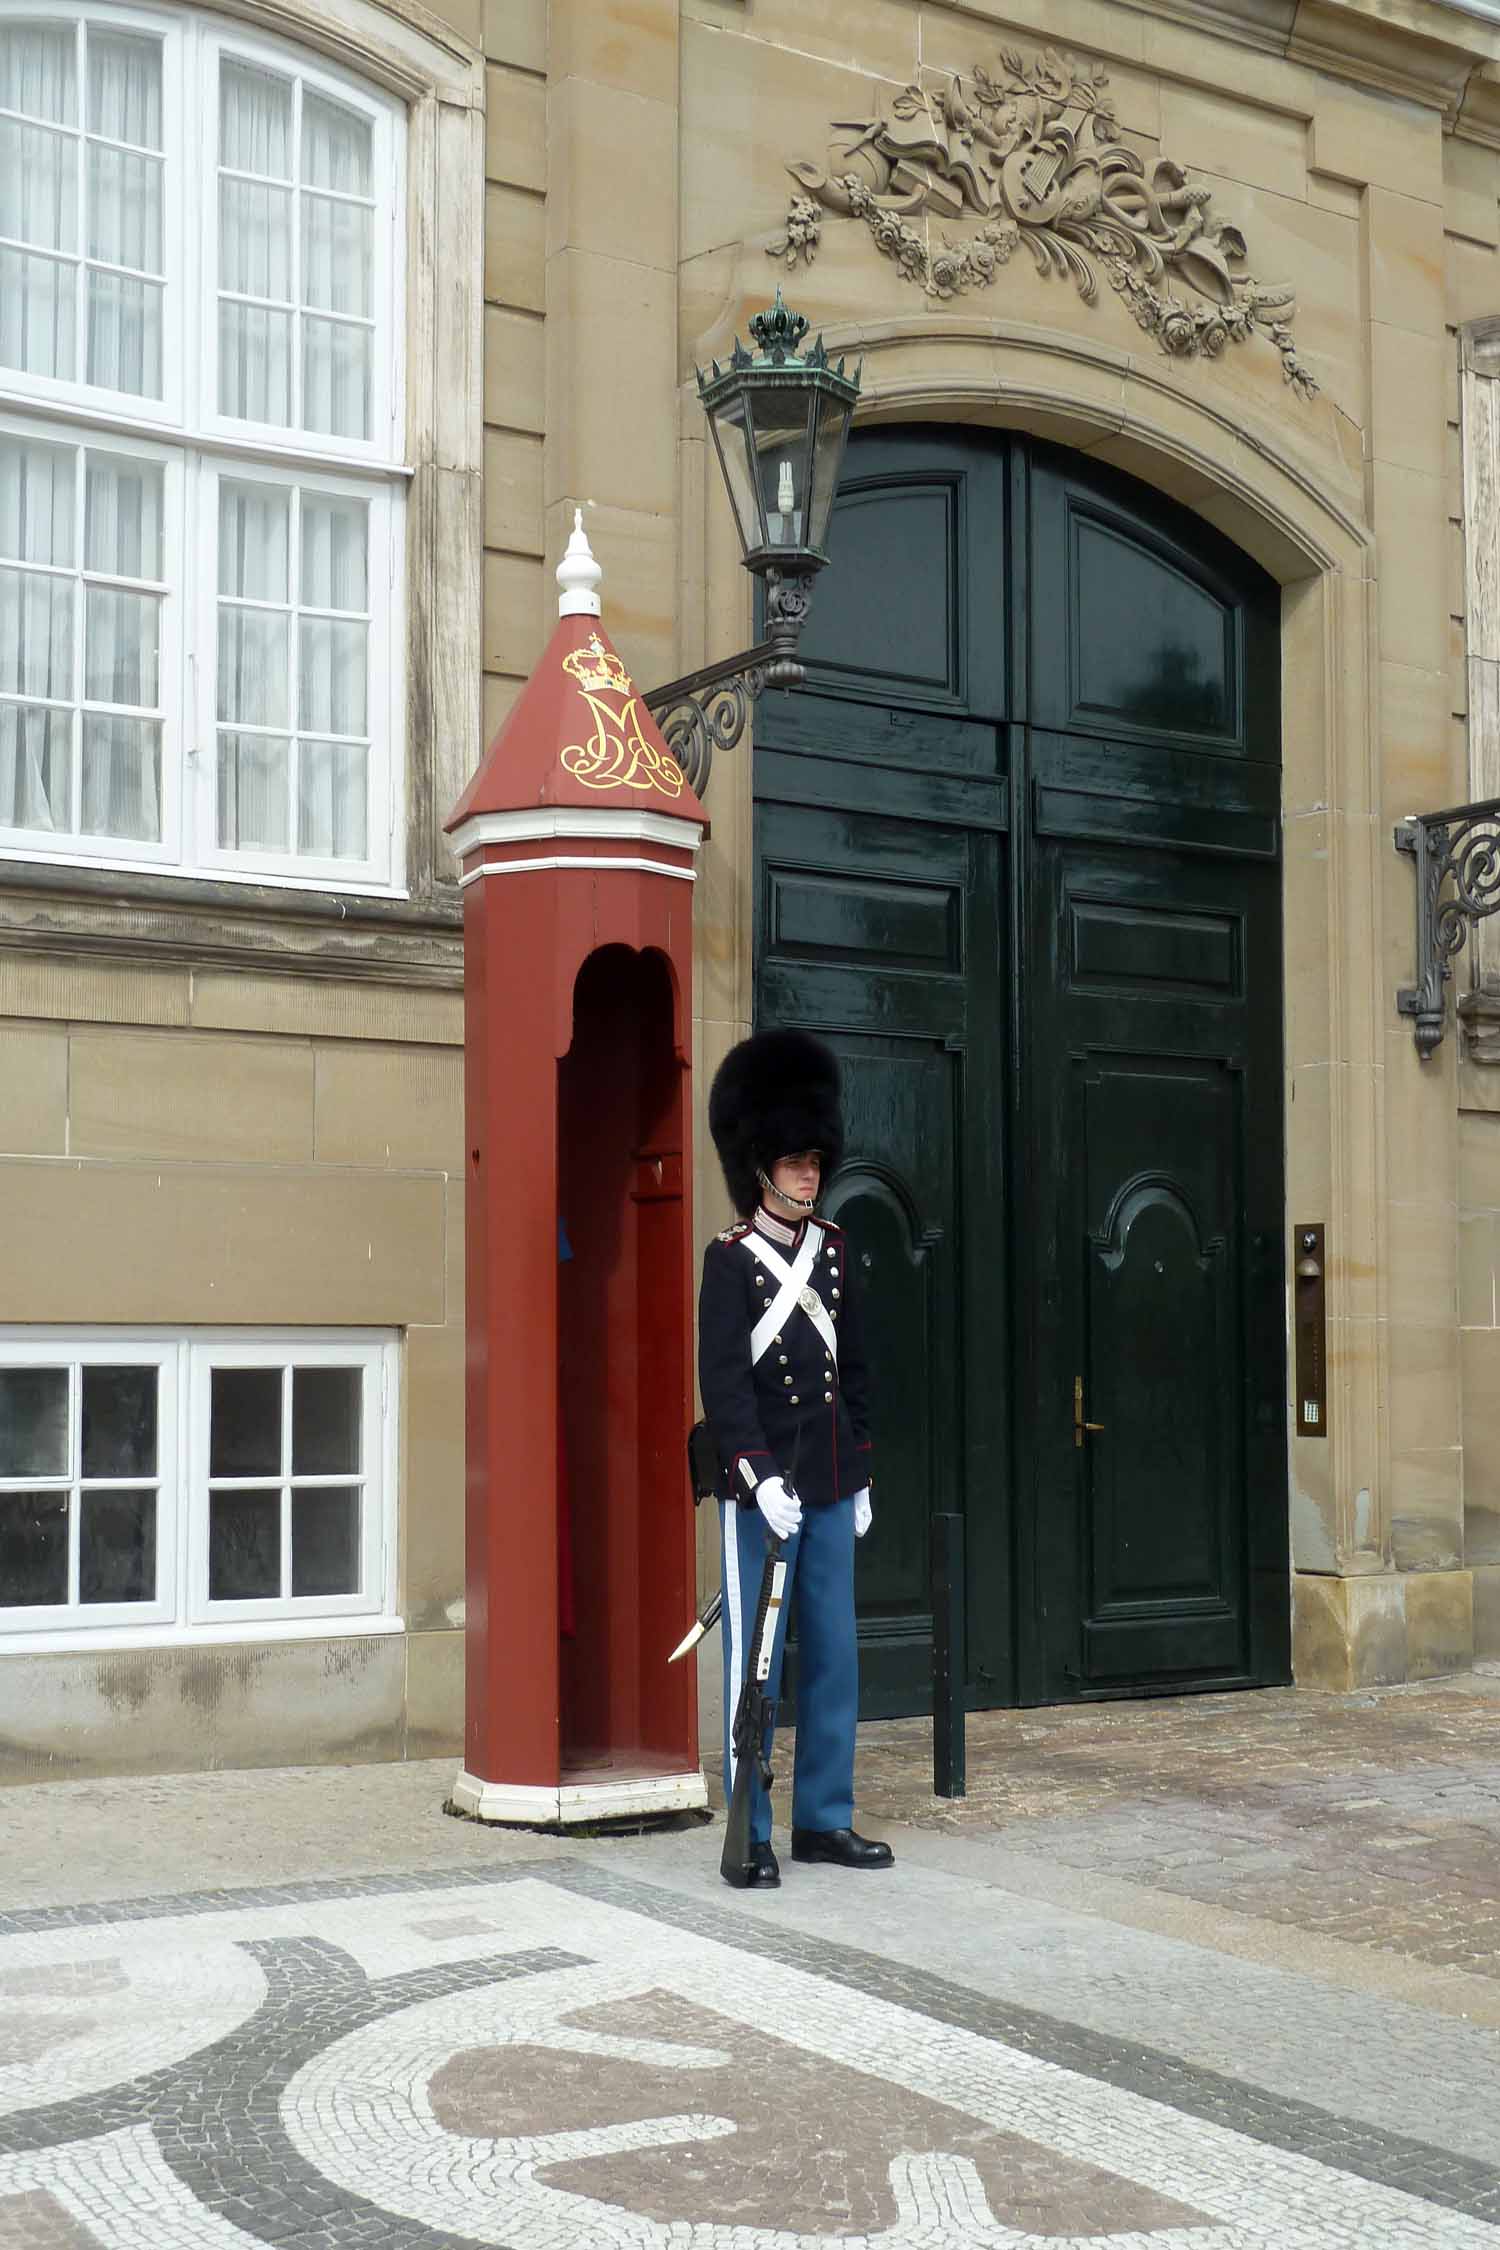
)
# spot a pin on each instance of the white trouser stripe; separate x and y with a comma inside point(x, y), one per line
point(732, 1623)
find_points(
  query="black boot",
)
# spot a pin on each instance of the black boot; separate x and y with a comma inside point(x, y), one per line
point(763, 1873)
point(840, 1847)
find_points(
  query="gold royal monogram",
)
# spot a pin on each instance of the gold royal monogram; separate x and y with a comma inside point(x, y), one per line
point(618, 756)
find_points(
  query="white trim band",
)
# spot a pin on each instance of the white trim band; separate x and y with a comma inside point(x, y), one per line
point(526, 1805)
point(573, 820)
point(526, 866)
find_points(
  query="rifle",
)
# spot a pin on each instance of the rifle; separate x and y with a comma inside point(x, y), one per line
point(754, 1719)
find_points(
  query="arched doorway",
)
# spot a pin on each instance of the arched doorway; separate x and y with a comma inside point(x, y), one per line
point(1018, 855)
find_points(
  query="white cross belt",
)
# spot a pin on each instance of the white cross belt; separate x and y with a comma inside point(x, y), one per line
point(795, 1290)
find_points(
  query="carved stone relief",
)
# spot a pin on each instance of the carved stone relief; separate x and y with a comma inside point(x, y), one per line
point(1032, 152)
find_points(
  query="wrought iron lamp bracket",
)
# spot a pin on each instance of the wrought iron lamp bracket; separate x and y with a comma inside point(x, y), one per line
point(709, 709)
point(1464, 842)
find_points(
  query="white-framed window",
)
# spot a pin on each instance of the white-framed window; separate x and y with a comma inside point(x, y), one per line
point(195, 1486)
point(201, 482)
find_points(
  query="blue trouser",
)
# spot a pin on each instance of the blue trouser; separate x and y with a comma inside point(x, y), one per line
point(820, 1579)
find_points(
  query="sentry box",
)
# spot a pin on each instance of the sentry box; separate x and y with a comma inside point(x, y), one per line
point(577, 839)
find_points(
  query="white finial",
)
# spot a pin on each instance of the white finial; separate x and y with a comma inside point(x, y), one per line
point(578, 575)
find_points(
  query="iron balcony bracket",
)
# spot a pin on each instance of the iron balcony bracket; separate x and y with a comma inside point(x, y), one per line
point(709, 709)
point(1463, 842)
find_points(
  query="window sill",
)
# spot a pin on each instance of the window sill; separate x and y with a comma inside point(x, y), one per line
point(203, 922)
point(112, 1640)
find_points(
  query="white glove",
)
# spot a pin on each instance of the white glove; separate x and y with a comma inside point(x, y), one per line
point(863, 1512)
point(781, 1509)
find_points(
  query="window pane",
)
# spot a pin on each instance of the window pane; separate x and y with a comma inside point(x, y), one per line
point(335, 146)
point(124, 87)
point(117, 1547)
point(332, 796)
point(38, 186)
point(119, 647)
point(33, 1548)
point(38, 314)
point(335, 378)
point(38, 70)
point(119, 1421)
point(255, 795)
point(121, 778)
point(245, 1422)
point(36, 634)
point(33, 1421)
point(125, 208)
point(253, 667)
point(35, 759)
point(124, 334)
point(255, 238)
point(36, 501)
point(325, 1421)
point(255, 364)
point(123, 517)
point(337, 260)
point(335, 541)
point(244, 1545)
point(255, 121)
point(332, 669)
point(325, 1541)
point(254, 533)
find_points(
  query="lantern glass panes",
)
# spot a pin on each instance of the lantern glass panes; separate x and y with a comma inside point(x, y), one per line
point(827, 458)
point(783, 414)
point(735, 447)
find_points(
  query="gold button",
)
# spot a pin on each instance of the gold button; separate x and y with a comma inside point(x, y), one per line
point(768, 1299)
point(787, 1380)
point(795, 1400)
point(782, 1357)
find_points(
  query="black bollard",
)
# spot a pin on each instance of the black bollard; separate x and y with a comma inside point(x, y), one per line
point(948, 1665)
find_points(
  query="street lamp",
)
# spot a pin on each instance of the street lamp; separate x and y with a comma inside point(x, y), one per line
point(779, 418)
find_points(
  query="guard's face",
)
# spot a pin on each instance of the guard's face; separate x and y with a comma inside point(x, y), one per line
point(798, 1176)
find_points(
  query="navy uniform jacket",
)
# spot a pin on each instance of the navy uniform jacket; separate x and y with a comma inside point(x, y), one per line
point(796, 1414)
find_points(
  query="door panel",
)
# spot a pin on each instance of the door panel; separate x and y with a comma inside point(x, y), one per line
point(1154, 1070)
point(865, 925)
point(1144, 622)
point(1159, 1481)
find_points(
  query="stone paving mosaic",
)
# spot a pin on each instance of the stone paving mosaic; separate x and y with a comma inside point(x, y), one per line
point(551, 2056)
point(1373, 1819)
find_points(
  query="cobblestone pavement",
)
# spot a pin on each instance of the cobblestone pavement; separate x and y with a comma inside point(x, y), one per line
point(1369, 1819)
point(305, 2009)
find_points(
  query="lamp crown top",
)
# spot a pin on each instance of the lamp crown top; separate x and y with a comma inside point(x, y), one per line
point(778, 331)
point(578, 575)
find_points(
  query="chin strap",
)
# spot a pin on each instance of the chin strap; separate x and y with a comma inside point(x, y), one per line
point(792, 1202)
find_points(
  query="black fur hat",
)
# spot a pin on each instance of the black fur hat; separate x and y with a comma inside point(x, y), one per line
point(774, 1095)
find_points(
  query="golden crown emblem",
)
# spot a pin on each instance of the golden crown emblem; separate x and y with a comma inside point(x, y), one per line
point(598, 670)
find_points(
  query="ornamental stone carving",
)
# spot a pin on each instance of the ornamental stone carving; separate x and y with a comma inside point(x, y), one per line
point(1031, 153)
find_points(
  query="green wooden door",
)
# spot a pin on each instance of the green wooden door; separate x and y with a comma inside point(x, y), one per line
point(1017, 857)
point(1153, 1132)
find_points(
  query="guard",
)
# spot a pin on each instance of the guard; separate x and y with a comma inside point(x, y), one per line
point(781, 1366)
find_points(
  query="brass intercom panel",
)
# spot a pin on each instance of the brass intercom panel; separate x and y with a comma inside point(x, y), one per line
point(1310, 1319)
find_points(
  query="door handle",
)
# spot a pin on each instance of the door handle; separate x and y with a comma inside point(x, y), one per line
point(1079, 1424)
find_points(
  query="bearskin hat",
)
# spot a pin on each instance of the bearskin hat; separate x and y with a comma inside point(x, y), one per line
point(773, 1095)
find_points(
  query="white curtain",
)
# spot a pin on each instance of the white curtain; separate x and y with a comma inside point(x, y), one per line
point(264, 774)
point(37, 494)
point(123, 538)
point(258, 349)
point(38, 198)
point(254, 674)
point(255, 244)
